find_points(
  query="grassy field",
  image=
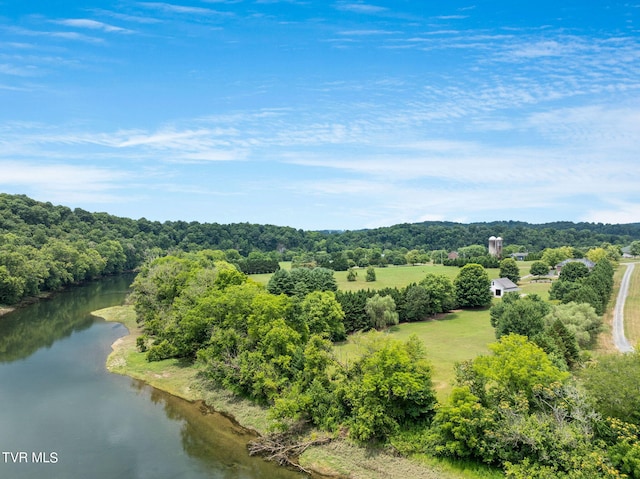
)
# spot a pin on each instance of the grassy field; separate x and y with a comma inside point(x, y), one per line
point(391, 276)
point(632, 307)
point(456, 337)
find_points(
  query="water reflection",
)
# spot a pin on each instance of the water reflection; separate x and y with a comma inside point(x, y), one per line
point(60, 398)
point(39, 325)
point(214, 439)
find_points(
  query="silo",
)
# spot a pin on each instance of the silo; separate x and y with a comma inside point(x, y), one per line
point(498, 246)
point(492, 245)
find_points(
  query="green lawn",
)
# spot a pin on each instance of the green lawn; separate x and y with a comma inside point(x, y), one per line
point(457, 337)
point(391, 276)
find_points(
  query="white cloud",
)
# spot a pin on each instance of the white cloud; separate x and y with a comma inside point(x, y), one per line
point(92, 25)
point(617, 212)
point(63, 182)
point(172, 8)
point(361, 8)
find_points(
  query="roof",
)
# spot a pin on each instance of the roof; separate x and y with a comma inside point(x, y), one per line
point(585, 261)
point(505, 283)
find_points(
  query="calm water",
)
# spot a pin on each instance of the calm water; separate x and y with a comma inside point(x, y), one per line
point(62, 415)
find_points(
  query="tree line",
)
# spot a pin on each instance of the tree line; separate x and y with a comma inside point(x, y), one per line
point(44, 247)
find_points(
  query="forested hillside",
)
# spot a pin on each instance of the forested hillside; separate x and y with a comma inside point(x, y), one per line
point(44, 247)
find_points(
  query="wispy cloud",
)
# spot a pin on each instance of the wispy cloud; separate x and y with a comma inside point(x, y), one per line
point(182, 9)
point(75, 36)
point(360, 8)
point(63, 181)
point(92, 25)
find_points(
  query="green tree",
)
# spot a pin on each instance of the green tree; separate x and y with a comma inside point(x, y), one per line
point(418, 304)
point(371, 274)
point(281, 282)
point(11, 287)
point(509, 269)
point(573, 271)
point(323, 315)
point(580, 319)
point(473, 287)
point(516, 367)
point(613, 384)
point(459, 428)
point(524, 316)
point(389, 389)
point(472, 251)
point(539, 269)
point(352, 275)
point(442, 293)
point(382, 311)
point(553, 256)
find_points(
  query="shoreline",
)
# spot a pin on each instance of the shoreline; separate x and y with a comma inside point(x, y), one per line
point(24, 302)
point(338, 459)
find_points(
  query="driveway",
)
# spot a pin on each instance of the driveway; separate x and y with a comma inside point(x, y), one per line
point(619, 339)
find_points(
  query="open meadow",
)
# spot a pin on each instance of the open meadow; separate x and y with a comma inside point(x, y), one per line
point(452, 338)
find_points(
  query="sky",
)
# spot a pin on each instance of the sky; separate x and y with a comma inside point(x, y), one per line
point(337, 114)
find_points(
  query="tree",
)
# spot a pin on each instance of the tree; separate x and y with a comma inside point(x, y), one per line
point(553, 256)
point(388, 389)
point(635, 248)
point(539, 269)
point(516, 367)
point(509, 269)
point(580, 319)
point(382, 311)
point(439, 255)
point(585, 294)
point(414, 257)
point(417, 303)
point(573, 271)
point(473, 287)
point(442, 293)
point(323, 315)
point(472, 251)
point(352, 275)
point(281, 282)
point(613, 383)
point(524, 316)
point(371, 274)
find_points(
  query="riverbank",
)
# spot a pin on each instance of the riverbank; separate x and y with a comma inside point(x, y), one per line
point(339, 458)
point(24, 302)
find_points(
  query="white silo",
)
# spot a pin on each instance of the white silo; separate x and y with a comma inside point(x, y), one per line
point(492, 245)
point(498, 247)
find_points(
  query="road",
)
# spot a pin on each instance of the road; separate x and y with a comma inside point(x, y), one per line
point(619, 339)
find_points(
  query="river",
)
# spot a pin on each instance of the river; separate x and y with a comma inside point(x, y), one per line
point(63, 416)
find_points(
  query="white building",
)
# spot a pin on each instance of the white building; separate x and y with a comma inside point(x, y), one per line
point(501, 286)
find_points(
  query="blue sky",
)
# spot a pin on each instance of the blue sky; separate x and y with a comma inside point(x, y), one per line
point(324, 115)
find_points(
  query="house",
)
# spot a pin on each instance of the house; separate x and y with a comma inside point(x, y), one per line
point(586, 262)
point(453, 255)
point(519, 256)
point(501, 286)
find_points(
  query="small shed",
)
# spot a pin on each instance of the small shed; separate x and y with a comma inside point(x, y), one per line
point(501, 286)
point(519, 256)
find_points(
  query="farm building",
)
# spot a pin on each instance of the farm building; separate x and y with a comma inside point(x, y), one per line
point(586, 262)
point(503, 285)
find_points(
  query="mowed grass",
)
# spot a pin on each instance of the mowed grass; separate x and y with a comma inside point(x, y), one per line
point(632, 306)
point(457, 337)
point(388, 277)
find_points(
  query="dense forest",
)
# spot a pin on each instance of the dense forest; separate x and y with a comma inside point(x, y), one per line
point(44, 247)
